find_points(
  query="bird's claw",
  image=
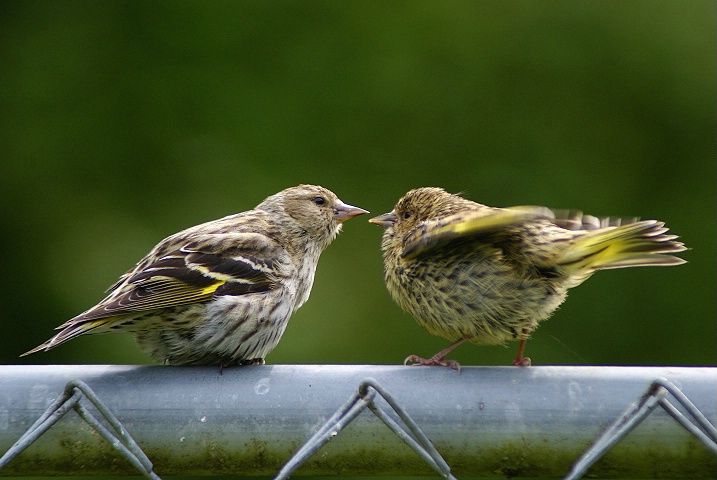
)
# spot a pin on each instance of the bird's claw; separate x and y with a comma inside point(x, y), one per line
point(254, 361)
point(522, 362)
point(415, 360)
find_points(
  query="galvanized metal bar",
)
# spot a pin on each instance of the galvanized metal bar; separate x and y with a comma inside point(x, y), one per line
point(656, 395)
point(414, 437)
point(487, 421)
point(57, 409)
point(366, 396)
point(331, 428)
point(121, 440)
point(701, 428)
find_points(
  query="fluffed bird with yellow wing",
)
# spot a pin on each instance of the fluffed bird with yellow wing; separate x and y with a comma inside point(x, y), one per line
point(468, 272)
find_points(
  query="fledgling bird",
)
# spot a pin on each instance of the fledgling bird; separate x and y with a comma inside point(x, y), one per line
point(486, 275)
point(221, 292)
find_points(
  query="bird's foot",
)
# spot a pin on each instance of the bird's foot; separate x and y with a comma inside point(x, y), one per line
point(437, 360)
point(253, 361)
point(522, 362)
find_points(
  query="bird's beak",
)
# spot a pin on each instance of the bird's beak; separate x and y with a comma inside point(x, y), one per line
point(385, 220)
point(343, 212)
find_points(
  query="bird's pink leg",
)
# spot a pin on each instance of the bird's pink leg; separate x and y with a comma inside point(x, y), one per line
point(520, 360)
point(439, 358)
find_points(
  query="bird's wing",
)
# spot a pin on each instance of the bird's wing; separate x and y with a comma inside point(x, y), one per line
point(199, 270)
point(577, 220)
point(430, 234)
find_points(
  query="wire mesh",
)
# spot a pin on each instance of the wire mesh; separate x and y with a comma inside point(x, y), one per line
point(656, 396)
point(303, 399)
point(364, 398)
point(70, 399)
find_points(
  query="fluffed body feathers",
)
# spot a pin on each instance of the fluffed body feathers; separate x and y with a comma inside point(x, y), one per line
point(487, 275)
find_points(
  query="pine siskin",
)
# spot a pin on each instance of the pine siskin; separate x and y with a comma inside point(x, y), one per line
point(469, 272)
point(221, 292)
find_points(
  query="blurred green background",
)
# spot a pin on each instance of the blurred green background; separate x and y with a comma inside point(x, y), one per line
point(123, 122)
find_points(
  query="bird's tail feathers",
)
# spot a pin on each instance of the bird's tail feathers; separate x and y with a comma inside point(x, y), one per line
point(69, 331)
point(639, 244)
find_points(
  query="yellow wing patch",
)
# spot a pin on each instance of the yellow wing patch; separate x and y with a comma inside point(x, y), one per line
point(433, 233)
point(212, 288)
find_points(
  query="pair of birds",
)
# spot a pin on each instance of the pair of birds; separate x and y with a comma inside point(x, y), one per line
point(222, 292)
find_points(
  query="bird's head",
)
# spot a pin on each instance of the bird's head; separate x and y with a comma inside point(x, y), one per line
point(317, 210)
point(416, 206)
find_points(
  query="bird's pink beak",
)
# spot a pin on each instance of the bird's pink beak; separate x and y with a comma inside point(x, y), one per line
point(385, 220)
point(343, 212)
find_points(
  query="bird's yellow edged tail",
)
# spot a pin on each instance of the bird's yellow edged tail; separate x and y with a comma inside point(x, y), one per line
point(639, 244)
point(69, 332)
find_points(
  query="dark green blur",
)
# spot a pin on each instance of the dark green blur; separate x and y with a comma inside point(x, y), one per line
point(123, 122)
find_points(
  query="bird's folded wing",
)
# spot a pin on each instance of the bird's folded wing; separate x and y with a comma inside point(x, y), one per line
point(433, 233)
point(215, 265)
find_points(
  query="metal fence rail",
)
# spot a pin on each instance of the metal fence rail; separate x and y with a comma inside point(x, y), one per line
point(487, 421)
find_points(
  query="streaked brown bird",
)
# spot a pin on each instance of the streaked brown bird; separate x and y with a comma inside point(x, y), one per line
point(221, 292)
point(472, 273)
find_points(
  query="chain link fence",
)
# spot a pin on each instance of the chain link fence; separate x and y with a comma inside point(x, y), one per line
point(609, 422)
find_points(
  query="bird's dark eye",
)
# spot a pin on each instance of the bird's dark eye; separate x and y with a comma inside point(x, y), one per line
point(407, 215)
point(319, 200)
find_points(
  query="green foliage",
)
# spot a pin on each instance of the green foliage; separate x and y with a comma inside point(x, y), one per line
point(123, 122)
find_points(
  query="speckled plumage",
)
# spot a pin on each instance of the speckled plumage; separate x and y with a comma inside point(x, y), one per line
point(486, 275)
point(221, 292)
